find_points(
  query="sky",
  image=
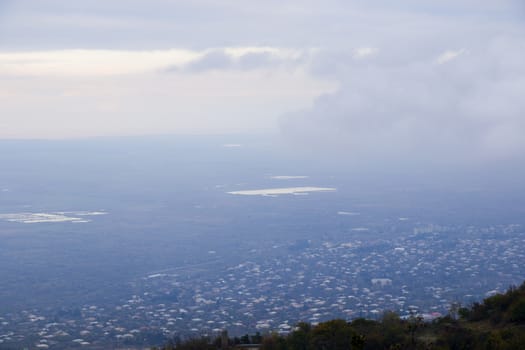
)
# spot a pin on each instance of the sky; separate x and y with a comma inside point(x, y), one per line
point(418, 79)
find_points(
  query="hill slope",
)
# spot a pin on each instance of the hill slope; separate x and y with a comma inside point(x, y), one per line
point(498, 322)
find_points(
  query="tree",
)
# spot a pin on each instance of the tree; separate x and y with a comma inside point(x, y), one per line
point(299, 339)
point(274, 342)
point(332, 335)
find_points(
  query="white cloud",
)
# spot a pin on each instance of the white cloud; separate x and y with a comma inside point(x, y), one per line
point(118, 62)
point(450, 55)
point(364, 52)
point(90, 62)
point(216, 101)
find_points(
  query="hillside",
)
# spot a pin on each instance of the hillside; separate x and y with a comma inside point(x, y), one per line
point(498, 322)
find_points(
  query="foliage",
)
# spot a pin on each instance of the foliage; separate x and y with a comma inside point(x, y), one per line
point(496, 323)
point(500, 308)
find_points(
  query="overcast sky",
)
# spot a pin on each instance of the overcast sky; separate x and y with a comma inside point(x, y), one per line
point(441, 78)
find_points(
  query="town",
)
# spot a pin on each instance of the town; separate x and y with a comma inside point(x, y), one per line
point(425, 272)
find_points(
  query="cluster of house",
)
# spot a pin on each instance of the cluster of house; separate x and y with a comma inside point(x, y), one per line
point(419, 273)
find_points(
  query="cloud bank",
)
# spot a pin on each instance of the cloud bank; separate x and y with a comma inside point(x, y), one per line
point(382, 81)
point(461, 105)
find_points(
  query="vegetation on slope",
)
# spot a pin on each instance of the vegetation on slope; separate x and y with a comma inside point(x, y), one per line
point(496, 323)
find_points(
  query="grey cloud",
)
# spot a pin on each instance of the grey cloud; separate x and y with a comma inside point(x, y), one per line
point(256, 60)
point(218, 59)
point(468, 109)
point(212, 60)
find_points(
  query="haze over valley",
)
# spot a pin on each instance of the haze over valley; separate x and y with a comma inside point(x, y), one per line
point(174, 249)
